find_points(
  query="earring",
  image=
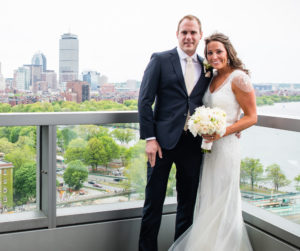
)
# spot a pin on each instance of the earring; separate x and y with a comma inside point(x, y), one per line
point(228, 61)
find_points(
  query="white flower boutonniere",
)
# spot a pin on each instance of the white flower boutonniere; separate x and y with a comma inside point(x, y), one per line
point(207, 69)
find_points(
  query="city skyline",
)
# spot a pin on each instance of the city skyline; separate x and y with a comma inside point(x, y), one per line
point(117, 39)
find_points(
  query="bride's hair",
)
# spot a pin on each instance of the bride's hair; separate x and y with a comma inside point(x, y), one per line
point(234, 61)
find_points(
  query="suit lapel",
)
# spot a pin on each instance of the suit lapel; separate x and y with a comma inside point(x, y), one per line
point(201, 83)
point(177, 68)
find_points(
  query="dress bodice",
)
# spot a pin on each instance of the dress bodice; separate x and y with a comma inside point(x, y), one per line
point(224, 98)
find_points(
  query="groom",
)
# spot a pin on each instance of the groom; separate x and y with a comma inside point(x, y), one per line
point(176, 81)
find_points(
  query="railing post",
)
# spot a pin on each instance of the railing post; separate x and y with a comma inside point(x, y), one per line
point(46, 151)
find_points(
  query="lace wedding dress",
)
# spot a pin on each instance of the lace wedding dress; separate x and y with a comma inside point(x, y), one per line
point(218, 223)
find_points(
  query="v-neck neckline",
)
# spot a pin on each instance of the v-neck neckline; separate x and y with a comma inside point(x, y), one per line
point(221, 86)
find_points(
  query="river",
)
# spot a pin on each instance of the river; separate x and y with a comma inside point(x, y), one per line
point(275, 146)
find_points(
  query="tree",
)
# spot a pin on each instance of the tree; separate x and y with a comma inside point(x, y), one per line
point(136, 174)
point(21, 156)
point(5, 107)
point(5, 132)
point(77, 143)
point(275, 174)
point(74, 153)
point(14, 134)
point(91, 131)
point(59, 140)
point(29, 131)
point(131, 104)
point(67, 135)
point(111, 149)
point(123, 151)
point(26, 141)
point(95, 154)
point(297, 179)
point(6, 146)
point(75, 174)
point(75, 150)
point(123, 135)
point(251, 169)
point(25, 183)
point(135, 151)
point(171, 181)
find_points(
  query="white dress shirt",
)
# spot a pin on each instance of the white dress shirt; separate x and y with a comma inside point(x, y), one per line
point(182, 58)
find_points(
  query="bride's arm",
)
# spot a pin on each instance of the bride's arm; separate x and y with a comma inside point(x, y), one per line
point(244, 94)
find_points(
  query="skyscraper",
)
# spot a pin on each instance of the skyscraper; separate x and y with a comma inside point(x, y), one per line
point(93, 78)
point(39, 59)
point(2, 83)
point(22, 78)
point(68, 58)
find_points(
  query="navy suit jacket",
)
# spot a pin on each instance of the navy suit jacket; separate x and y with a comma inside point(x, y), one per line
point(163, 82)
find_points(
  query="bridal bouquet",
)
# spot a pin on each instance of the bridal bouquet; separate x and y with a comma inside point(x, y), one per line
point(207, 120)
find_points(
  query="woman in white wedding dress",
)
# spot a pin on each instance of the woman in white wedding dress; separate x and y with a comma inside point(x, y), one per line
point(218, 223)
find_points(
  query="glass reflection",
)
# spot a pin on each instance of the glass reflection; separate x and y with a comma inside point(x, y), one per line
point(17, 169)
point(270, 170)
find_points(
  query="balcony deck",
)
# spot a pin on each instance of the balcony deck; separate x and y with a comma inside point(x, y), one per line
point(111, 227)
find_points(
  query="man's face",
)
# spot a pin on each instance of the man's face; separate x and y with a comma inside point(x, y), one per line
point(188, 36)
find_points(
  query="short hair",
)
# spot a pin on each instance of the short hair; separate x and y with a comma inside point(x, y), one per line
point(190, 17)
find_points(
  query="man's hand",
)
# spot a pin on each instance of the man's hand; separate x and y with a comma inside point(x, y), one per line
point(152, 147)
point(238, 135)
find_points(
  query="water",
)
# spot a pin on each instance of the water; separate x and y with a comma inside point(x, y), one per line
point(275, 146)
point(281, 109)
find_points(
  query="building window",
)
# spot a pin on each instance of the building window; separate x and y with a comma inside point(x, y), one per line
point(4, 181)
point(4, 171)
point(4, 190)
point(4, 199)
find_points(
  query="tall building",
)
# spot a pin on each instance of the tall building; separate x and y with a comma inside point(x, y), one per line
point(51, 78)
point(68, 58)
point(77, 91)
point(103, 80)
point(2, 82)
point(93, 78)
point(35, 72)
point(39, 59)
point(6, 185)
point(22, 78)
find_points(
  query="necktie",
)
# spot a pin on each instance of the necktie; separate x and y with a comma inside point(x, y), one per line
point(189, 75)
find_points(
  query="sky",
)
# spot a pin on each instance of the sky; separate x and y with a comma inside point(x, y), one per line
point(117, 37)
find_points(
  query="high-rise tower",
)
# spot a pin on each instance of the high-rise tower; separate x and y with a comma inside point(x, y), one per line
point(68, 58)
point(2, 83)
point(39, 59)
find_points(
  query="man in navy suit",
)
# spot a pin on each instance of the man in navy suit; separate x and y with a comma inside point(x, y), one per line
point(167, 140)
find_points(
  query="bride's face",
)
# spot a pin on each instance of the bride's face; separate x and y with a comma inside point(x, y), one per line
point(217, 55)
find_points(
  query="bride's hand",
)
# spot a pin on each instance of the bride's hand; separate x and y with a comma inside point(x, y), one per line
point(210, 137)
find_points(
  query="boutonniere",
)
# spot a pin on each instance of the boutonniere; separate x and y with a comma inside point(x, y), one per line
point(207, 69)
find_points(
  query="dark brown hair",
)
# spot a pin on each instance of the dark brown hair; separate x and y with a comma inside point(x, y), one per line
point(190, 17)
point(234, 61)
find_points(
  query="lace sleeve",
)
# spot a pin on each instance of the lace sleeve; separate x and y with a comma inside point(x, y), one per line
point(243, 82)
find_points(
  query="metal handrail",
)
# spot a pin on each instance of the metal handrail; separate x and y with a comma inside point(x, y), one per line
point(106, 117)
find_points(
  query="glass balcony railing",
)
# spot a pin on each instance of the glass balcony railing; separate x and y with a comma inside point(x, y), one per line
point(270, 170)
point(18, 169)
point(92, 165)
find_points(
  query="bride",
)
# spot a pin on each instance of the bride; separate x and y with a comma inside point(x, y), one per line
point(218, 223)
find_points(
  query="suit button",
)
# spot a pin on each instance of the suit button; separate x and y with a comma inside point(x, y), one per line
point(184, 115)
